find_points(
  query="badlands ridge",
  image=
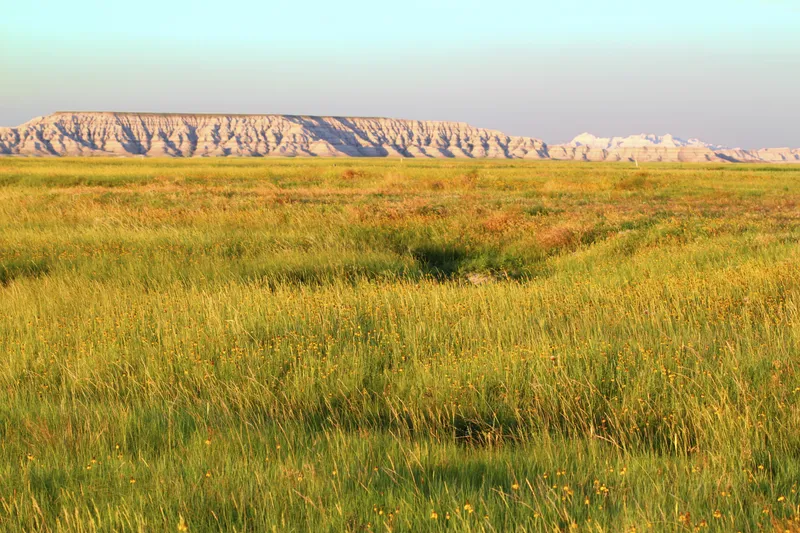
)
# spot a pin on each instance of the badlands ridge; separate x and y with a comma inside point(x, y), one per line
point(182, 135)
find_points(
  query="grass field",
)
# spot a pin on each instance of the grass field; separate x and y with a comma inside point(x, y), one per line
point(355, 345)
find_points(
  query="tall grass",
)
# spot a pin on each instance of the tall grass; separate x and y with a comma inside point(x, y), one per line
point(356, 345)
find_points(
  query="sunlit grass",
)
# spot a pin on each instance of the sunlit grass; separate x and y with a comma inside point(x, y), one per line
point(353, 345)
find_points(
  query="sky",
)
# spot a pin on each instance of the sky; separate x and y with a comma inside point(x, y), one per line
point(727, 72)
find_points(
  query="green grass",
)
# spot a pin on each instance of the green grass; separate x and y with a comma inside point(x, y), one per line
point(355, 345)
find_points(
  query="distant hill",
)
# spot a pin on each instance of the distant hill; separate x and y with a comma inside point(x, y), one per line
point(199, 135)
point(642, 140)
point(650, 147)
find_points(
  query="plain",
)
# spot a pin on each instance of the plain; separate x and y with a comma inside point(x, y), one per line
point(351, 345)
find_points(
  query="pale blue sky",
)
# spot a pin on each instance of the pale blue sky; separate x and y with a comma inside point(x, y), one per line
point(725, 71)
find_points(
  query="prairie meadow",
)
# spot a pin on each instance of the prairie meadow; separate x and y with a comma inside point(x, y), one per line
point(387, 345)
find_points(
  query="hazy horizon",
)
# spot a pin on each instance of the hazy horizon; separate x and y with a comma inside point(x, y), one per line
point(724, 72)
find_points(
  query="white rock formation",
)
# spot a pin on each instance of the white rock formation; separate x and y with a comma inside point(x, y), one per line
point(174, 135)
point(643, 147)
point(648, 147)
point(643, 140)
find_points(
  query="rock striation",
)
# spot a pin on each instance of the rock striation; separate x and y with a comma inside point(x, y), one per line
point(187, 135)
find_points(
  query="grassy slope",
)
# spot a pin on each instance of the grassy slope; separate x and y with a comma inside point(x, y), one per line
point(295, 345)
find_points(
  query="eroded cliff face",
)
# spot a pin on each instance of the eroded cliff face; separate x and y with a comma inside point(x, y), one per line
point(180, 135)
point(82, 134)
